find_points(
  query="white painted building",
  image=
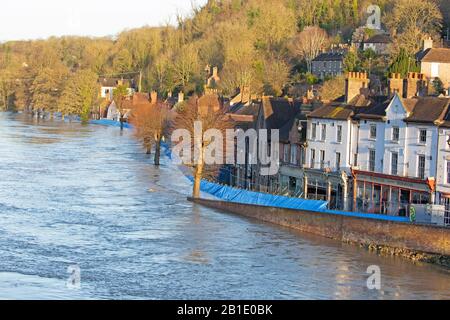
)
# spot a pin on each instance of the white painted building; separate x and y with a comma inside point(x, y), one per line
point(397, 155)
point(443, 169)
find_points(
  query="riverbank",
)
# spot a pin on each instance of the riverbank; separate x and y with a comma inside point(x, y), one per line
point(422, 243)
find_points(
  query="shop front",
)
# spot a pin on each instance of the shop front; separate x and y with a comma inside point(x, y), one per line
point(332, 187)
point(390, 195)
point(445, 201)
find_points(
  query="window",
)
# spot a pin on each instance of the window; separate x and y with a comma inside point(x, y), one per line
point(294, 155)
point(373, 131)
point(434, 70)
point(313, 131)
point(421, 167)
point(338, 161)
point(371, 160)
point(339, 134)
point(395, 134)
point(322, 159)
point(448, 172)
point(394, 163)
point(324, 132)
point(313, 158)
point(286, 153)
point(355, 160)
point(423, 136)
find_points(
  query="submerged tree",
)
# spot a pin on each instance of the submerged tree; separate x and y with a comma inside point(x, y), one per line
point(80, 95)
point(120, 93)
point(152, 123)
point(198, 143)
point(46, 89)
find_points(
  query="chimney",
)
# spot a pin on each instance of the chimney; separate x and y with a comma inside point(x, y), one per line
point(310, 93)
point(180, 96)
point(154, 97)
point(356, 83)
point(414, 85)
point(395, 84)
point(245, 94)
point(427, 43)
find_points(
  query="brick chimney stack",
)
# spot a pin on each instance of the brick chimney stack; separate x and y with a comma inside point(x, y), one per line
point(414, 85)
point(154, 97)
point(396, 84)
point(245, 94)
point(355, 84)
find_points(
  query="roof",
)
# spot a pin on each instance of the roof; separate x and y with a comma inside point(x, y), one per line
point(446, 120)
point(421, 109)
point(379, 38)
point(114, 82)
point(339, 111)
point(137, 99)
point(330, 56)
point(375, 111)
point(280, 113)
point(427, 109)
point(434, 55)
point(332, 112)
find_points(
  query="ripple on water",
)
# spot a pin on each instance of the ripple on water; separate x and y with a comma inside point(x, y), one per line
point(89, 196)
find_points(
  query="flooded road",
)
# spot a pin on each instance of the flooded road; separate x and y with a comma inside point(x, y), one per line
point(88, 196)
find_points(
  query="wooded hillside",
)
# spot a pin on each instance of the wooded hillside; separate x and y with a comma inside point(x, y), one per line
point(258, 43)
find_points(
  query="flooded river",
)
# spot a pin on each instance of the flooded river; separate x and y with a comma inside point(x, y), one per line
point(87, 196)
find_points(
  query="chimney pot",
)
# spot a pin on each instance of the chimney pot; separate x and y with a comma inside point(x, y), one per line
point(181, 96)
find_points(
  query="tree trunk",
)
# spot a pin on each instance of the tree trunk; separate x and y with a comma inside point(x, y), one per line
point(158, 151)
point(198, 173)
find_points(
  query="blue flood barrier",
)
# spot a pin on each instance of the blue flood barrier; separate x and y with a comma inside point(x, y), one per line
point(112, 123)
point(368, 215)
point(231, 194)
point(235, 195)
point(227, 193)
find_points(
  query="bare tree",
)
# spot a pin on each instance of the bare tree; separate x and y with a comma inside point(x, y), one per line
point(152, 123)
point(309, 43)
point(215, 120)
point(411, 21)
point(332, 89)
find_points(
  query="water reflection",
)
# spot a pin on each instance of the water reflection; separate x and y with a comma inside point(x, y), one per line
point(92, 198)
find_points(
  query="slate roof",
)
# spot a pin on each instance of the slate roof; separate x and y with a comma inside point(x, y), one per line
point(341, 111)
point(332, 112)
point(441, 55)
point(376, 111)
point(330, 56)
point(280, 113)
point(421, 109)
point(427, 109)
